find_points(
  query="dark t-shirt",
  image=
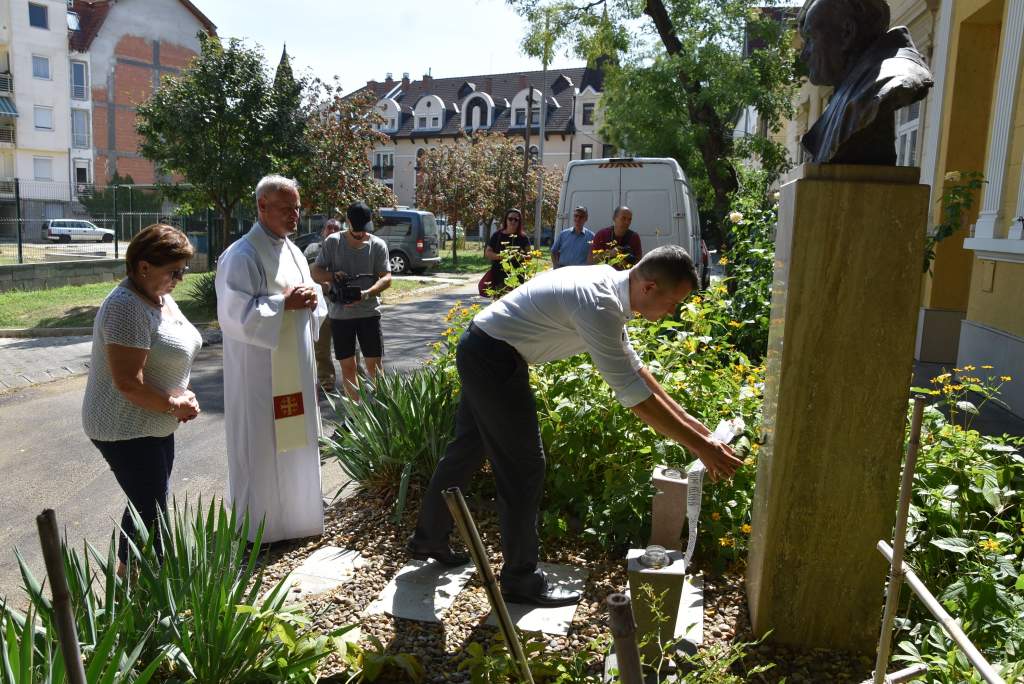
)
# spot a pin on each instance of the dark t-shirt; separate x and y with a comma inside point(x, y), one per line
point(604, 239)
point(498, 243)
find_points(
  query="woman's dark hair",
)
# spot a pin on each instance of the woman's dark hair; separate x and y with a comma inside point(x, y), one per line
point(158, 244)
point(504, 220)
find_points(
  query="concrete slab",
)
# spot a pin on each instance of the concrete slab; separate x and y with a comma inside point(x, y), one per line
point(421, 590)
point(547, 620)
point(326, 569)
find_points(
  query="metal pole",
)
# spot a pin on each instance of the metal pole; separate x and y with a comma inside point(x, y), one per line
point(117, 227)
point(49, 539)
point(623, 626)
point(983, 667)
point(892, 594)
point(467, 530)
point(17, 219)
point(526, 145)
point(538, 210)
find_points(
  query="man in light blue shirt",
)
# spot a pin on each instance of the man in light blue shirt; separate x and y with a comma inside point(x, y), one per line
point(573, 244)
point(553, 316)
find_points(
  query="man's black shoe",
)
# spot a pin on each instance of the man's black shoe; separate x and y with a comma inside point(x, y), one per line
point(548, 597)
point(446, 556)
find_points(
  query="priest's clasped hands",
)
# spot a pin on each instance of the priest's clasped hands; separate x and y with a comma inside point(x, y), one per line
point(300, 297)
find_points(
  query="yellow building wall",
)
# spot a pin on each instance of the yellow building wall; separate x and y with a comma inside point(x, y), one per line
point(996, 299)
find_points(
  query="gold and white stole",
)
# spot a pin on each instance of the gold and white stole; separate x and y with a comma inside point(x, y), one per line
point(286, 375)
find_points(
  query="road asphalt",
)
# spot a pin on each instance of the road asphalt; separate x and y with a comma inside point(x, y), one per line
point(47, 462)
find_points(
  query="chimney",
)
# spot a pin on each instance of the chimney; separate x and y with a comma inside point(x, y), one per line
point(405, 79)
point(522, 82)
point(388, 79)
point(371, 83)
point(488, 85)
point(428, 80)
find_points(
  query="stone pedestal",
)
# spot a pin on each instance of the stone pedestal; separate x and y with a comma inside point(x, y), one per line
point(844, 310)
point(666, 586)
point(668, 508)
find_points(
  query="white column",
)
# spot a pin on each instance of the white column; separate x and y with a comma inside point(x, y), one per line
point(1008, 80)
point(941, 48)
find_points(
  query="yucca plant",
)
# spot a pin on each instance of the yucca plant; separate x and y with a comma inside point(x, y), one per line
point(395, 432)
point(203, 291)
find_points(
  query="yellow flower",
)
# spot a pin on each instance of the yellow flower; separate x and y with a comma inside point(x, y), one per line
point(727, 541)
point(968, 367)
point(1005, 378)
point(716, 516)
point(736, 324)
point(990, 545)
point(722, 260)
point(749, 460)
point(745, 529)
point(986, 367)
point(755, 447)
point(696, 300)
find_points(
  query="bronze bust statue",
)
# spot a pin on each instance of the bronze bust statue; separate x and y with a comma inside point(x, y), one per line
point(874, 70)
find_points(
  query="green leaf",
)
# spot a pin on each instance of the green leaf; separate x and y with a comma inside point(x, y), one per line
point(956, 545)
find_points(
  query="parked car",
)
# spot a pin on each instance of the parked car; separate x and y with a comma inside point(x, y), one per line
point(66, 230)
point(656, 189)
point(412, 239)
point(305, 240)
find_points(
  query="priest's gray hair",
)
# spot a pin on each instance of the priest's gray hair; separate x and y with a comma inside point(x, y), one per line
point(669, 266)
point(274, 183)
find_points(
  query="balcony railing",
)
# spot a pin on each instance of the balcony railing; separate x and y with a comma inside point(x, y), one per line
point(79, 91)
point(80, 141)
point(6, 84)
point(7, 134)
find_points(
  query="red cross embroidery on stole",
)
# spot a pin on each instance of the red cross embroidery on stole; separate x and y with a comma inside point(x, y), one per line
point(288, 405)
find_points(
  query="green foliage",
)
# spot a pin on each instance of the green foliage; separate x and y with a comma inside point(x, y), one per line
point(961, 188)
point(965, 540)
point(495, 665)
point(203, 292)
point(395, 432)
point(197, 616)
point(108, 200)
point(221, 124)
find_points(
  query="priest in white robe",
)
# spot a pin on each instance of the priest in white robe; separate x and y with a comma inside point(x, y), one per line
point(270, 315)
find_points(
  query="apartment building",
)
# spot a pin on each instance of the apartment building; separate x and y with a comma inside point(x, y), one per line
point(422, 114)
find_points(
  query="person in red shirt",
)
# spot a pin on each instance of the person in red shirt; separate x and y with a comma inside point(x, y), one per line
point(617, 239)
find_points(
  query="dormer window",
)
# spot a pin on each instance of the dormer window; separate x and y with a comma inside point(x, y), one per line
point(521, 102)
point(429, 113)
point(391, 113)
point(477, 111)
point(520, 119)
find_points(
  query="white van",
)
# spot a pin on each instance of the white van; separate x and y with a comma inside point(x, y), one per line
point(655, 189)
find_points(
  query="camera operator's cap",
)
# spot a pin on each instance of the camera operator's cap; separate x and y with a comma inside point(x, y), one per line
point(581, 210)
point(359, 215)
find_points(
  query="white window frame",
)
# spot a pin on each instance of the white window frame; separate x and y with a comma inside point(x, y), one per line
point(435, 122)
point(83, 141)
point(908, 134)
point(49, 68)
point(421, 122)
point(583, 113)
point(85, 82)
point(36, 161)
point(46, 16)
point(519, 119)
point(583, 151)
point(36, 111)
point(79, 163)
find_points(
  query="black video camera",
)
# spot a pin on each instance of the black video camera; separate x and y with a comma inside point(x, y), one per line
point(348, 289)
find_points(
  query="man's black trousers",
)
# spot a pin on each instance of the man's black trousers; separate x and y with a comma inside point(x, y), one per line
point(497, 417)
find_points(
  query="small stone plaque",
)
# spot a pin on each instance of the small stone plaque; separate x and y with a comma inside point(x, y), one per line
point(531, 618)
point(326, 569)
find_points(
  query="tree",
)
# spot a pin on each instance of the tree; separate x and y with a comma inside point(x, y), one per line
point(222, 125)
point(680, 93)
point(108, 200)
point(480, 176)
point(334, 169)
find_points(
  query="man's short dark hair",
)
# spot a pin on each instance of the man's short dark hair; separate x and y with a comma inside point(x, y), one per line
point(359, 214)
point(668, 266)
point(619, 209)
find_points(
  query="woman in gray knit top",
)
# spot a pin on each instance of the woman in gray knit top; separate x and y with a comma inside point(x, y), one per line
point(137, 393)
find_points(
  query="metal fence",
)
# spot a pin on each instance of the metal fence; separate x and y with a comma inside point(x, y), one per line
point(43, 222)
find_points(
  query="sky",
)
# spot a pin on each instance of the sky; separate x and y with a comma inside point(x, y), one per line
point(360, 40)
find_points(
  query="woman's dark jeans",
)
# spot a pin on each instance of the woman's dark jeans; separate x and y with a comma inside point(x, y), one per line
point(142, 467)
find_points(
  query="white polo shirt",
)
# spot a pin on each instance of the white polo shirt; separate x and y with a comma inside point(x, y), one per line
point(571, 310)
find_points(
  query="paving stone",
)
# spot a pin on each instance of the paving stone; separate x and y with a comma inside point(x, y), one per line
point(421, 590)
point(547, 620)
point(324, 570)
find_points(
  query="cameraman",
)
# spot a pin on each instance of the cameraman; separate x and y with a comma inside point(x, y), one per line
point(357, 258)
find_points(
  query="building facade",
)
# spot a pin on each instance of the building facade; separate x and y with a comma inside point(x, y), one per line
point(972, 309)
point(419, 115)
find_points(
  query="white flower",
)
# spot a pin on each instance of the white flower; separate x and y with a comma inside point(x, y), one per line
point(953, 177)
point(735, 217)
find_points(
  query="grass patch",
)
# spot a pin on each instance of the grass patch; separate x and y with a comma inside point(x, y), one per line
point(471, 260)
point(75, 306)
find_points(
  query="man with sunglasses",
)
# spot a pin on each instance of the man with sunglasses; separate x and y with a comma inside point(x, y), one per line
point(356, 258)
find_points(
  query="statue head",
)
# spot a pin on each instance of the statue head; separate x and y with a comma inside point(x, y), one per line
point(836, 33)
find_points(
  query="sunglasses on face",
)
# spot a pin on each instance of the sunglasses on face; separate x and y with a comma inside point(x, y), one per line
point(513, 219)
point(179, 273)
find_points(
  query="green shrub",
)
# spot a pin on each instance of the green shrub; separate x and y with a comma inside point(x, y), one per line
point(395, 432)
point(203, 292)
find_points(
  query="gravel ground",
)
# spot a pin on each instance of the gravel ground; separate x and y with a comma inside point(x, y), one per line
point(363, 522)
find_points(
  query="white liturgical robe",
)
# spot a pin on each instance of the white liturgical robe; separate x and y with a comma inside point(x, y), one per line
point(274, 477)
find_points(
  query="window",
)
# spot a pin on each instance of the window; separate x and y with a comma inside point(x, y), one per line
point(607, 151)
point(80, 128)
point(82, 172)
point(42, 168)
point(422, 122)
point(394, 227)
point(42, 117)
point(79, 81)
point(588, 113)
point(908, 124)
point(586, 151)
point(37, 16)
point(520, 119)
point(435, 122)
point(41, 67)
point(535, 116)
point(384, 165)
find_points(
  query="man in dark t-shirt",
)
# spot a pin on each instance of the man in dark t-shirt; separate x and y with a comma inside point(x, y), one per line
point(617, 239)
